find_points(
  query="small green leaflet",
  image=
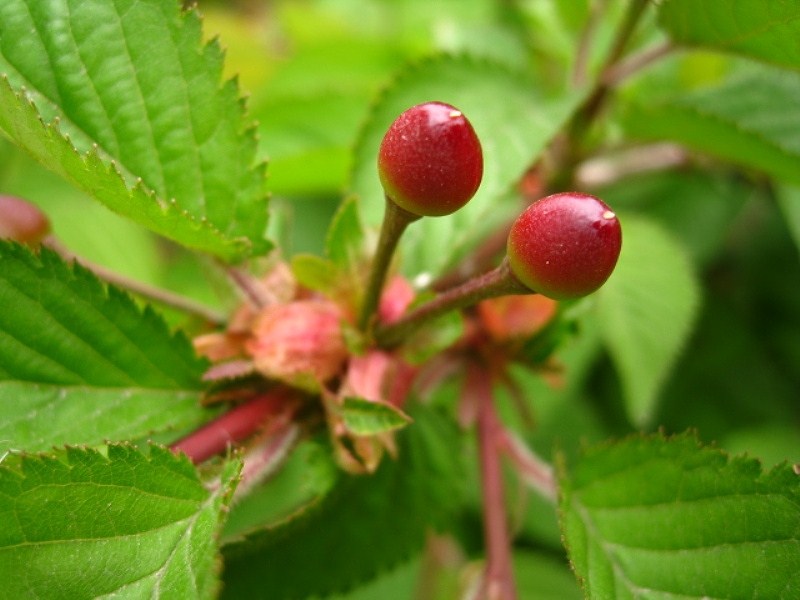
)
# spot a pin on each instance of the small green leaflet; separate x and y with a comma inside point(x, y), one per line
point(365, 417)
point(123, 99)
point(666, 518)
point(767, 30)
point(79, 524)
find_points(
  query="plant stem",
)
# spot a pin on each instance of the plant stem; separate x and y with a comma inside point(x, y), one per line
point(587, 113)
point(498, 282)
point(533, 470)
point(585, 42)
point(395, 221)
point(499, 576)
point(249, 286)
point(161, 296)
point(620, 71)
point(235, 425)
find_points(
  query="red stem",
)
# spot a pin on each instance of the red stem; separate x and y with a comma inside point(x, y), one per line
point(499, 577)
point(234, 426)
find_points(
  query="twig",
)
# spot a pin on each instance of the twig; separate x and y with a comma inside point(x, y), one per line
point(498, 282)
point(617, 73)
point(579, 71)
point(499, 577)
point(571, 152)
point(155, 294)
point(604, 170)
point(235, 425)
point(533, 470)
point(249, 286)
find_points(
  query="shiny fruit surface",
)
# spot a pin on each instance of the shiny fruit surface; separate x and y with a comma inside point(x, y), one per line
point(430, 162)
point(565, 245)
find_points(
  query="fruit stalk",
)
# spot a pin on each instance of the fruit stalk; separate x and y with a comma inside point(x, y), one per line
point(235, 425)
point(395, 221)
point(498, 282)
point(499, 577)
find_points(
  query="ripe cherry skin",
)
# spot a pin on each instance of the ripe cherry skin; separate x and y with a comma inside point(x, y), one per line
point(430, 162)
point(565, 245)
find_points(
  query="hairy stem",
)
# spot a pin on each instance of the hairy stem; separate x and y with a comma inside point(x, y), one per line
point(235, 425)
point(576, 129)
point(395, 221)
point(249, 287)
point(585, 43)
point(498, 282)
point(499, 576)
point(620, 71)
point(158, 295)
point(533, 470)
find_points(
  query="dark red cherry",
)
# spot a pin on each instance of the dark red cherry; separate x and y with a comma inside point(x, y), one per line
point(565, 245)
point(430, 161)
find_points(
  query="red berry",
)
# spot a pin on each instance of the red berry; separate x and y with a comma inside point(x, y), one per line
point(565, 246)
point(430, 161)
point(22, 221)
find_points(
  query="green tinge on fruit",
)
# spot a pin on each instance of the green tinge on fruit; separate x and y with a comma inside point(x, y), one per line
point(430, 162)
point(565, 245)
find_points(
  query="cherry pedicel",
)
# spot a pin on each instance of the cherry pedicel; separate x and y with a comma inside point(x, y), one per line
point(430, 162)
point(565, 245)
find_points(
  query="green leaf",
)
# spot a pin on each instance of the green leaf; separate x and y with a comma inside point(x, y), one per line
point(308, 135)
point(514, 123)
point(82, 525)
point(365, 417)
point(302, 482)
point(315, 272)
point(344, 244)
point(646, 311)
point(123, 99)
point(353, 534)
point(540, 576)
point(37, 417)
point(767, 30)
point(666, 518)
point(60, 325)
point(73, 350)
point(789, 201)
point(752, 120)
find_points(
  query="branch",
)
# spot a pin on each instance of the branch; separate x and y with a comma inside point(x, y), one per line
point(617, 73)
point(499, 577)
point(161, 296)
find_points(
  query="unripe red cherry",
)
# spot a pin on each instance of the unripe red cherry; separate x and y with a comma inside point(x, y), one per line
point(565, 245)
point(430, 162)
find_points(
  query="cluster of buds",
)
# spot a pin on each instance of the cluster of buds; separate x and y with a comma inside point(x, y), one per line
point(430, 164)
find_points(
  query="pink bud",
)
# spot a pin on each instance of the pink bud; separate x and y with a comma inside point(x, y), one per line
point(22, 221)
point(299, 343)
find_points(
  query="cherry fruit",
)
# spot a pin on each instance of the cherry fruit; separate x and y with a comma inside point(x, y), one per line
point(430, 162)
point(565, 245)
